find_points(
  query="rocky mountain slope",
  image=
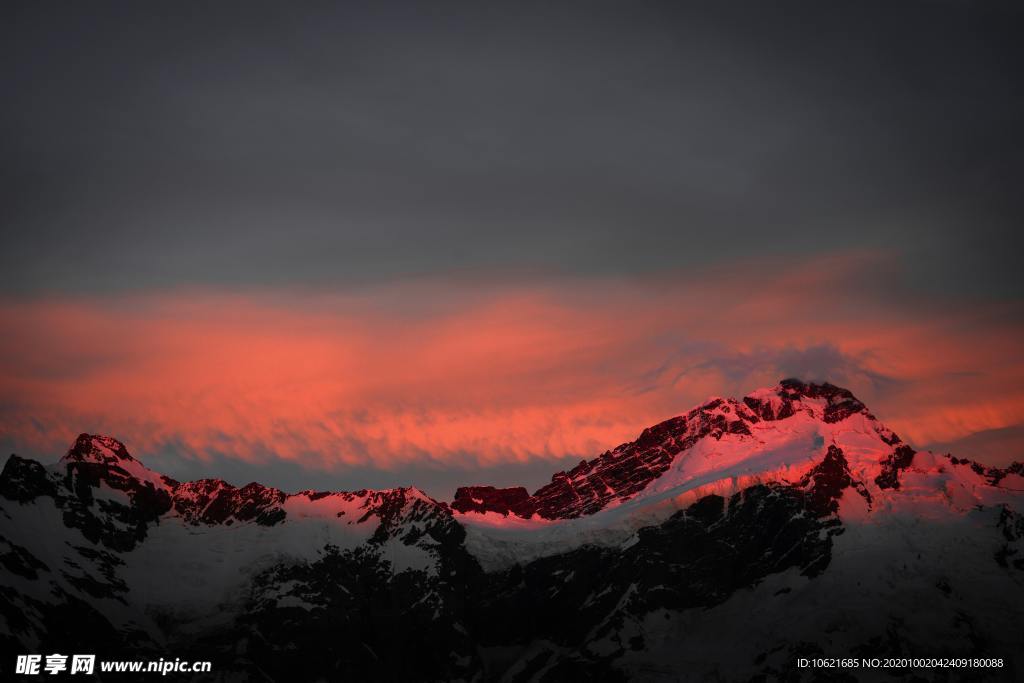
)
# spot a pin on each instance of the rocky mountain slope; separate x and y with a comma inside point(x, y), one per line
point(722, 544)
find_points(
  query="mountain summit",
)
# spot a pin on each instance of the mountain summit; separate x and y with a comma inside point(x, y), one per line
point(721, 544)
point(625, 471)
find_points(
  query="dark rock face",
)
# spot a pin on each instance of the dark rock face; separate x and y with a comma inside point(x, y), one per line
point(23, 480)
point(1011, 553)
point(825, 483)
point(840, 402)
point(212, 501)
point(997, 474)
point(769, 410)
point(19, 561)
point(900, 459)
point(516, 500)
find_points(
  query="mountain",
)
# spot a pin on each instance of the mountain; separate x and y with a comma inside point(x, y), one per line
point(626, 471)
point(723, 544)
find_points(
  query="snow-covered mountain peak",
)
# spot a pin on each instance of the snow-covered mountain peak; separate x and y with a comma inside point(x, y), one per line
point(105, 458)
point(730, 437)
point(824, 401)
point(774, 434)
point(817, 439)
point(97, 448)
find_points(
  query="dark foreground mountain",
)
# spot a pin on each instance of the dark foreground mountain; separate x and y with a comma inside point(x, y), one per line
point(723, 544)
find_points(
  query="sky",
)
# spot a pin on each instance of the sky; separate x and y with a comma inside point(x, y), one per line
point(340, 245)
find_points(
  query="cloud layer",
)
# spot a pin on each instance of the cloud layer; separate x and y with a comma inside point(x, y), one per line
point(479, 375)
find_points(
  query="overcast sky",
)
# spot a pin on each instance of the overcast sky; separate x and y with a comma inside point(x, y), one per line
point(155, 149)
point(156, 144)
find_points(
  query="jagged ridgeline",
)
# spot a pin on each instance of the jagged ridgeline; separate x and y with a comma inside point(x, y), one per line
point(721, 544)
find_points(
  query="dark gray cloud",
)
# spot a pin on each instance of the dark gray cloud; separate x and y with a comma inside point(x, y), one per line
point(168, 144)
point(994, 447)
point(817, 363)
point(439, 480)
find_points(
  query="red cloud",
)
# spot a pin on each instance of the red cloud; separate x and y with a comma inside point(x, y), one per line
point(430, 371)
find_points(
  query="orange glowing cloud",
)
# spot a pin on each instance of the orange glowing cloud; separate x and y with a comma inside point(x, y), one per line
point(429, 372)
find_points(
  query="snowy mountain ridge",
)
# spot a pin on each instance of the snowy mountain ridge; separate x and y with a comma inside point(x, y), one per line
point(774, 435)
point(757, 514)
point(628, 469)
